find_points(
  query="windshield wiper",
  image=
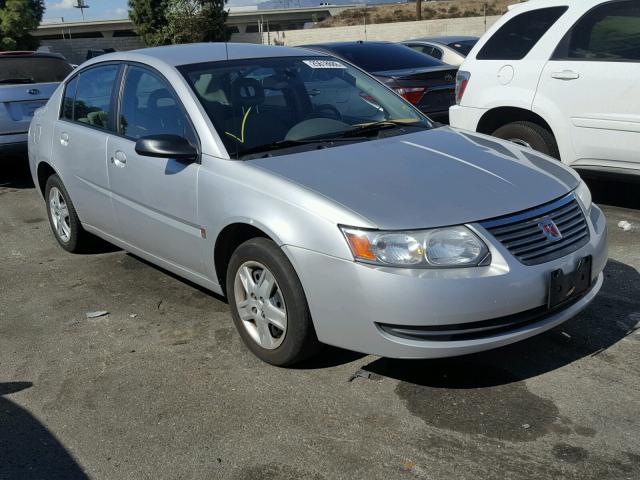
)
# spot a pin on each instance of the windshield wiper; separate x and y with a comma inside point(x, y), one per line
point(280, 144)
point(375, 127)
point(17, 80)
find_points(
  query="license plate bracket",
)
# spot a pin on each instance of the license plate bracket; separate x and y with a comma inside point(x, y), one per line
point(565, 287)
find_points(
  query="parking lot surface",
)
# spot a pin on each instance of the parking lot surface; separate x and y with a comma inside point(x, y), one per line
point(161, 386)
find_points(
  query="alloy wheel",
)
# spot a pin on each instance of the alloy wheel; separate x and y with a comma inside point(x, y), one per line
point(260, 305)
point(60, 218)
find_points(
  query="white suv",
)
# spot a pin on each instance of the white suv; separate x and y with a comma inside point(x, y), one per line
point(562, 77)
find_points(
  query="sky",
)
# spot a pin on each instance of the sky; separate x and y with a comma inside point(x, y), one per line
point(101, 9)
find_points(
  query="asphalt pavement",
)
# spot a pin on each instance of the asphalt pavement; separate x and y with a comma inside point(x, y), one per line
point(161, 386)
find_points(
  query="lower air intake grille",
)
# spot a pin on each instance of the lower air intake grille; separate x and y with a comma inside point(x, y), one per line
point(524, 236)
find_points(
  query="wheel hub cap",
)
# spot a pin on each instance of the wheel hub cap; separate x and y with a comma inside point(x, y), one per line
point(260, 305)
point(59, 214)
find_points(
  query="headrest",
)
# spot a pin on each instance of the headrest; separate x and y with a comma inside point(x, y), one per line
point(247, 92)
point(157, 95)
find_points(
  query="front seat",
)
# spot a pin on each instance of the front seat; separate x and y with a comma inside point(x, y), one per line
point(251, 125)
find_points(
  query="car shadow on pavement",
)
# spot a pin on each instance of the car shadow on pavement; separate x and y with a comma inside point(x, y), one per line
point(615, 191)
point(614, 314)
point(27, 448)
point(15, 173)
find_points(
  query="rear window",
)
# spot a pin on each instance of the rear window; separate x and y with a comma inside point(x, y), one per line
point(18, 70)
point(463, 47)
point(518, 36)
point(383, 56)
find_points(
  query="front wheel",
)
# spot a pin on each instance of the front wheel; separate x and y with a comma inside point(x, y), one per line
point(531, 135)
point(268, 304)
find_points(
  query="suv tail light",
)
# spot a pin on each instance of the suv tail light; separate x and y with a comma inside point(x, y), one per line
point(412, 94)
point(462, 80)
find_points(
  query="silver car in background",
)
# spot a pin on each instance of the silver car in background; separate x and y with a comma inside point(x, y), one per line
point(27, 80)
point(325, 207)
point(451, 50)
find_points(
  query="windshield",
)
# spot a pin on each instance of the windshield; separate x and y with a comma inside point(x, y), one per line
point(32, 69)
point(463, 47)
point(265, 105)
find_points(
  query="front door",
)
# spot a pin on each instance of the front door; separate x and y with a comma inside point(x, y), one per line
point(154, 199)
point(593, 82)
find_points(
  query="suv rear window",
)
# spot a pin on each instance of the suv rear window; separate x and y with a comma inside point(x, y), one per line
point(609, 32)
point(384, 56)
point(32, 69)
point(519, 35)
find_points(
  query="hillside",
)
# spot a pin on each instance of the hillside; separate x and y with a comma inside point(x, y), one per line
point(406, 12)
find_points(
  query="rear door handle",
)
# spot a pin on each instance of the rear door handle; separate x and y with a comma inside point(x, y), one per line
point(119, 159)
point(565, 75)
point(64, 139)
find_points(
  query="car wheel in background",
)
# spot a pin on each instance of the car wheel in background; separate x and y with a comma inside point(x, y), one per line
point(529, 134)
point(268, 304)
point(63, 218)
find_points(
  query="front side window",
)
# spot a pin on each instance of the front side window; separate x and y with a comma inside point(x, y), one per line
point(260, 106)
point(149, 107)
point(609, 32)
point(92, 102)
point(515, 39)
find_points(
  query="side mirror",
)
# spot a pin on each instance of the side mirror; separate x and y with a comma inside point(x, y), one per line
point(166, 146)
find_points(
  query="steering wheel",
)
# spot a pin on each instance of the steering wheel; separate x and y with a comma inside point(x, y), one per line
point(326, 111)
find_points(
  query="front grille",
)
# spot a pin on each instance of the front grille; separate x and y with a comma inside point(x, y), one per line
point(524, 238)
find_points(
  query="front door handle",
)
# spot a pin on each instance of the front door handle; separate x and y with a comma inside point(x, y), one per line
point(64, 139)
point(119, 159)
point(565, 75)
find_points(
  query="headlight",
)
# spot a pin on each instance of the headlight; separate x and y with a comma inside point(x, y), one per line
point(584, 194)
point(437, 248)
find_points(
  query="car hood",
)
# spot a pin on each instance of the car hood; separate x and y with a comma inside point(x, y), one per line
point(427, 179)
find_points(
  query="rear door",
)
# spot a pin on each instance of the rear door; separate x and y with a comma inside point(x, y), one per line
point(26, 83)
point(592, 83)
point(154, 199)
point(80, 140)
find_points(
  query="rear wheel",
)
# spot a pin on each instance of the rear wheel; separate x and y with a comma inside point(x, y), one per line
point(531, 135)
point(63, 218)
point(268, 304)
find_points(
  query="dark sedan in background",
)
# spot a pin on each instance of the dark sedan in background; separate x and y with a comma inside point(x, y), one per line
point(424, 81)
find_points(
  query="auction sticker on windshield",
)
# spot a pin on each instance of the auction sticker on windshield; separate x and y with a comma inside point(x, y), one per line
point(323, 64)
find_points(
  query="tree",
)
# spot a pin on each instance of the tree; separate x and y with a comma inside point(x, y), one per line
point(17, 19)
point(150, 20)
point(190, 21)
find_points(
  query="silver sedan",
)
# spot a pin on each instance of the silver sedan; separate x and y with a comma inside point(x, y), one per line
point(325, 207)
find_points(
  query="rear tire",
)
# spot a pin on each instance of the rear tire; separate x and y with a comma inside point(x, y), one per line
point(274, 321)
point(63, 218)
point(531, 135)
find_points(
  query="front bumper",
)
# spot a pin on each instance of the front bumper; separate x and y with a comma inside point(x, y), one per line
point(349, 301)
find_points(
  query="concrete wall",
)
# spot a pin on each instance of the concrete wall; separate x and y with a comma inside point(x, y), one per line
point(75, 49)
point(393, 32)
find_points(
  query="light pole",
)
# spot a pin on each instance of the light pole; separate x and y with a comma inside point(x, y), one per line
point(81, 5)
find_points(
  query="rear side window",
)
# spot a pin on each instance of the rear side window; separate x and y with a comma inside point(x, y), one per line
point(384, 56)
point(609, 32)
point(69, 99)
point(32, 69)
point(515, 39)
point(92, 102)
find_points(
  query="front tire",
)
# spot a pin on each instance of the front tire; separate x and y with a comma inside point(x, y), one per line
point(63, 218)
point(268, 304)
point(529, 134)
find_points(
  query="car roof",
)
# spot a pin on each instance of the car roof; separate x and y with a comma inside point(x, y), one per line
point(176, 55)
point(444, 40)
point(330, 45)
